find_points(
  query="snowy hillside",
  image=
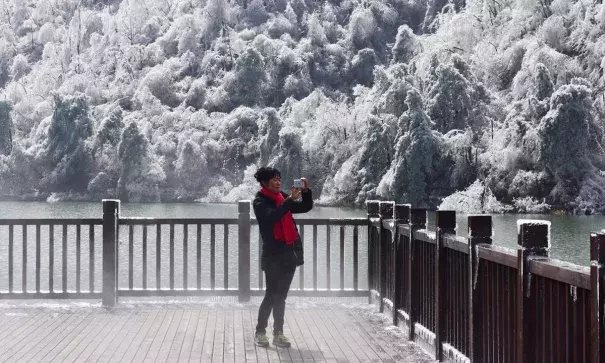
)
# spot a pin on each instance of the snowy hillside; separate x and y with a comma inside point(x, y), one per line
point(407, 100)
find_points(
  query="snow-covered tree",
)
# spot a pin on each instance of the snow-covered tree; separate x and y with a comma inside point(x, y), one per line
point(564, 141)
point(6, 126)
point(409, 178)
point(140, 173)
point(406, 45)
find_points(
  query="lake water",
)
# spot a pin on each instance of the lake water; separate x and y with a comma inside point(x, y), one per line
point(569, 239)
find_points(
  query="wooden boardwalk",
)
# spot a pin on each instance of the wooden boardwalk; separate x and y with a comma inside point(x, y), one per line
point(320, 331)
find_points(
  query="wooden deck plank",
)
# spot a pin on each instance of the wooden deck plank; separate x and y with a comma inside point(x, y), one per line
point(248, 329)
point(229, 355)
point(261, 353)
point(325, 343)
point(219, 337)
point(128, 341)
point(91, 353)
point(188, 336)
point(341, 335)
point(117, 337)
point(325, 332)
point(111, 332)
point(295, 337)
point(150, 331)
point(238, 337)
point(345, 321)
point(169, 337)
point(68, 330)
point(198, 340)
point(64, 348)
point(80, 343)
point(208, 343)
point(161, 332)
point(17, 334)
point(374, 337)
point(28, 333)
point(143, 334)
point(10, 324)
point(308, 337)
point(18, 351)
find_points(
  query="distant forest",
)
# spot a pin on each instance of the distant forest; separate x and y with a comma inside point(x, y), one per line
point(477, 105)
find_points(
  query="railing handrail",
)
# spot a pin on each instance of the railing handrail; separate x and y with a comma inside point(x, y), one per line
point(447, 277)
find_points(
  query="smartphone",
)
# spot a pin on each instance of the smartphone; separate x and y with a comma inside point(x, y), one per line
point(298, 183)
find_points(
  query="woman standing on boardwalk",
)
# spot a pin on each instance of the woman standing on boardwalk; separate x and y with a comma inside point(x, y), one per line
point(282, 249)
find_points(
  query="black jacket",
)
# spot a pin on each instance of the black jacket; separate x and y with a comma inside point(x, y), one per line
point(267, 214)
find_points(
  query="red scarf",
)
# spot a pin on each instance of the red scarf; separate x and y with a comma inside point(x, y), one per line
point(284, 229)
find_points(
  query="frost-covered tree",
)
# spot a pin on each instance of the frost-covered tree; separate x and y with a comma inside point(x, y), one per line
point(215, 19)
point(406, 45)
point(6, 128)
point(111, 127)
point(409, 178)
point(288, 156)
point(564, 141)
point(542, 86)
point(70, 126)
point(256, 14)
point(246, 84)
point(270, 126)
point(362, 66)
point(140, 173)
point(375, 159)
point(455, 102)
point(191, 167)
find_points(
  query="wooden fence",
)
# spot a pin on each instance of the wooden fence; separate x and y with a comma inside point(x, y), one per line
point(139, 256)
point(466, 300)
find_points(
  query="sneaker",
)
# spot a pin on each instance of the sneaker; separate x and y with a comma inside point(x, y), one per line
point(260, 339)
point(280, 340)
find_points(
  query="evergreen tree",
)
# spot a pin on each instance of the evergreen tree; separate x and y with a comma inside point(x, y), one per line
point(564, 134)
point(6, 125)
point(409, 177)
point(362, 67)
point(375, 157)
point(70, 125)
point(140, 174)
point(405, 46)
point(246, 85)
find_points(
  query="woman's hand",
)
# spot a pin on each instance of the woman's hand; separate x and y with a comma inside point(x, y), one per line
point(306, 182)
point(295, 193)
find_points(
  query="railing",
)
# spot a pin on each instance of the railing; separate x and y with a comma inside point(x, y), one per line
point(43, 279)
point(467, 300)
point(140, 257)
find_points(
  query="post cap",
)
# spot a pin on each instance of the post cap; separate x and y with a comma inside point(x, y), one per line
point(373, 208)
point(243, 206)
point(386, 209)
point(418, 217)
point(533, 234)
point(445, 219)
point(597, 247)
point(402, 213)
point(480, 226)
point(111, 206)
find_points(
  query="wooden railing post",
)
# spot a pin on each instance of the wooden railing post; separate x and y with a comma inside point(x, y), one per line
point(533, 240)
point(446, 224)
point(373, 211)
point(597, 296)
point(402, 216)
point(243, 236)
point(479, 232)
point(111, 216)
point(417, 221)
point(386, 213)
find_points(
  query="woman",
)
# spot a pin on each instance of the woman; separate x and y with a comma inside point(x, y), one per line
point(282, 249)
